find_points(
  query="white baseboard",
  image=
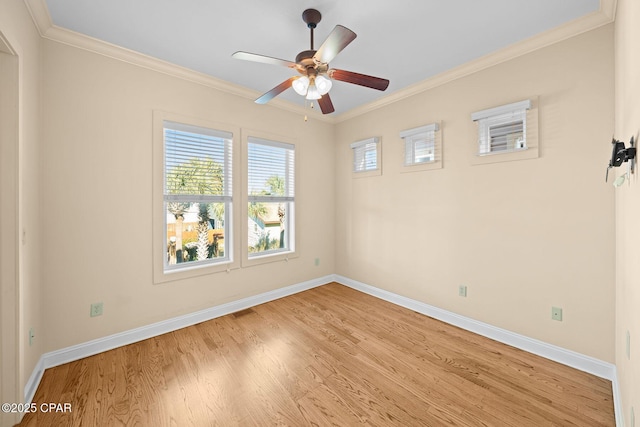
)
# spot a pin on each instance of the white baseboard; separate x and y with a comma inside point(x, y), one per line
point(617, 399)
point(89, 348)
point(570, 358)
point(34, 380)
point(558, 354)
point(540, 348)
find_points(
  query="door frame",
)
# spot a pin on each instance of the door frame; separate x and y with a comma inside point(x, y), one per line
point(9, 234)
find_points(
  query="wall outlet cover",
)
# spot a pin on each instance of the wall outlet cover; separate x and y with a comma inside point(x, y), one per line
point(96, 309)
point(462, 290)
point(556, 313)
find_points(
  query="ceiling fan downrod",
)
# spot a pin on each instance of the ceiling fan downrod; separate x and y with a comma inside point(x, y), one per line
point(316, 78)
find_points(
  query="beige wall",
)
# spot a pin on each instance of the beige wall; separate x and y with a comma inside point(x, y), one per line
point(627, 61)
point(20, 183)
point(97, 195)
point(523, 235)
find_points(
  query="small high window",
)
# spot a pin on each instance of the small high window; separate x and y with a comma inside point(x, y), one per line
point(422, 148)
point(366, 156)
point(502, 129)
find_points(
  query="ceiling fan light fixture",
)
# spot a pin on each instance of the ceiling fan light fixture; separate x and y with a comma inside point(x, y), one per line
point(316, 78)
point(301, 85)
point(313, 92)
point(323, 84)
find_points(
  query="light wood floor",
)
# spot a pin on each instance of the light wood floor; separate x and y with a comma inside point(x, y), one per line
point(327, 356)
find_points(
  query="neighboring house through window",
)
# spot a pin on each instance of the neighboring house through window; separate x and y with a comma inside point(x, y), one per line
point(270, 197)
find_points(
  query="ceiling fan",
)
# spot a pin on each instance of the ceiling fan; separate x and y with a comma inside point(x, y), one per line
point(314, 81)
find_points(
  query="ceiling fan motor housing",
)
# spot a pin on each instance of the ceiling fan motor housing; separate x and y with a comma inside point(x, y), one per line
point(305, 56)
point(313, 65)
point(308, 66)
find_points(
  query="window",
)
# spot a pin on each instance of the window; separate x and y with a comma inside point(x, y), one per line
point(197, 196)
point(502, 129)
point(366, 156)
point(270, 197)
point(422, 148)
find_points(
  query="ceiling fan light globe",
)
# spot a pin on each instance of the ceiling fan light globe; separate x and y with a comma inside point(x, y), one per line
point(313, 93)
point(301, 85)
point(323, 84)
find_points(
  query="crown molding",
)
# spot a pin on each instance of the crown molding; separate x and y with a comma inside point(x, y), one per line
point(42, 19)
point(40, 15)
point(5, 46)
point(608, 8)
point(605, 15)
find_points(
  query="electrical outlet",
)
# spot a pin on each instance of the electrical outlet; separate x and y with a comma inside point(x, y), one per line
point(96, 309)
point(317, 262)
point(32, 336)
point(628, 345)
point(462, 291)
point(556, 314)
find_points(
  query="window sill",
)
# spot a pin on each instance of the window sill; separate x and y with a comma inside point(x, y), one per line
point(366, 174)
point(496, 153)
point(419, 167)
point(505, 156)
point(268, 258)
point(187, 272)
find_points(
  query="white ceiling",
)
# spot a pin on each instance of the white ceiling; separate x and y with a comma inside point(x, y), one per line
point(405, 41)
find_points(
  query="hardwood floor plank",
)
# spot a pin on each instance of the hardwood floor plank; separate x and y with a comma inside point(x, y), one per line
point(327, 356)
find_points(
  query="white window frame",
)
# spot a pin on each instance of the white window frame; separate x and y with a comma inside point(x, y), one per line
point(161, 271)
point(291, 219)
point(428, 134)
point(489, 123)
point(370, 147)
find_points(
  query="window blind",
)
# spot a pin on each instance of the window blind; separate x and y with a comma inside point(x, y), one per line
point(271, 170)
point(505, 132)
point(197, 162)
point(503, 109)
point(503, 128)
point(507, 136)
point(365, 155)
point(420, 145)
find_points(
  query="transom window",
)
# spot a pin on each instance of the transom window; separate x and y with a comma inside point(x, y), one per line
point(366, 156)
point(502, 129)
point(420, 145)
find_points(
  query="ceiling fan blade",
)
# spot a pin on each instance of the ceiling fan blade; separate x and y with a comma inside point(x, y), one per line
point(276, 91)
point(325, 104)
point(359, 79)
point(339, 38)
point(246, 56)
